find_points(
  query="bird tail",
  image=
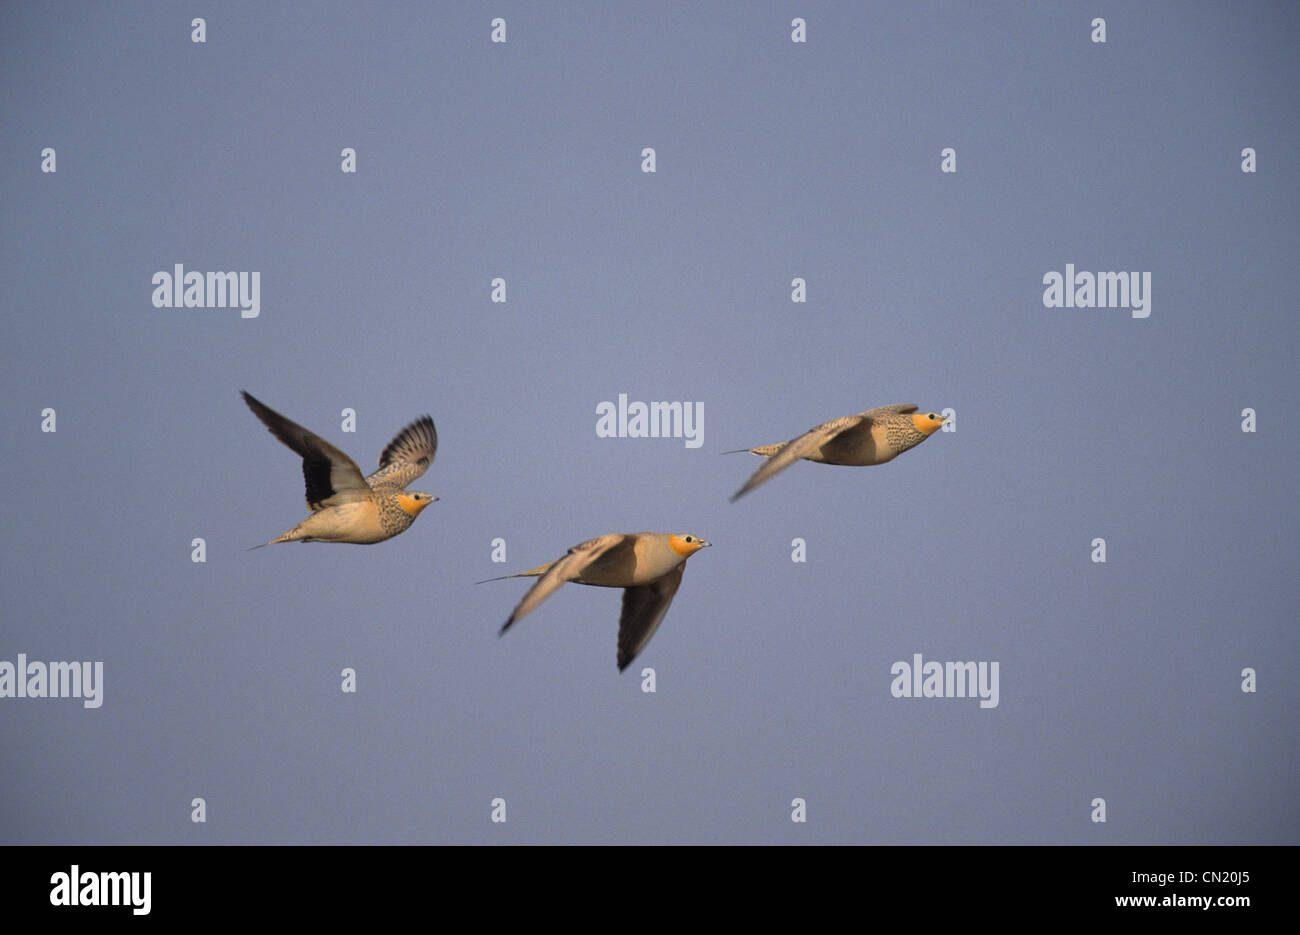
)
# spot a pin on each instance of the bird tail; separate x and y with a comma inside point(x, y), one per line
point(530, 573)
point(290, 536)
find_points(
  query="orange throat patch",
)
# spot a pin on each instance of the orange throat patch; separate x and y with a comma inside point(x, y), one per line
point(682, 547)
point(410, 504)
point(924, 424)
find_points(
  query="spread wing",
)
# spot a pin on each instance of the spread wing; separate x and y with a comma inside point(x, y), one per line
point(800, 447)
point(407, 456)
point(331, 476)
point(897, 410)
point(643, 608)
point(569, 567)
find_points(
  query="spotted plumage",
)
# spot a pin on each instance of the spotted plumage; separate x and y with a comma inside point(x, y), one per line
point(871, 437)
point(347, 507)
point(392, 518)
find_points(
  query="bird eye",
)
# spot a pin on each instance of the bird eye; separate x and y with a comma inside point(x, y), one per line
point(933, 416)
point(690, 539)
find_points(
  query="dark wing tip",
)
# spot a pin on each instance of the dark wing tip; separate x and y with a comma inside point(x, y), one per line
point(253, 403)
point(745, 488)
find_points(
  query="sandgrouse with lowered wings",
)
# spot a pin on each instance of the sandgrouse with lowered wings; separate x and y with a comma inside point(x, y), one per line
point(647, 565)
point(871, 437)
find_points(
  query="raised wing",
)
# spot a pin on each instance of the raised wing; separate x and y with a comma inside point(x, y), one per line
point(900, 410)
point(569, 567)
point(897, 410)
point(407, 456)
point(800, 447)
point(331, 476)
point(643, 609)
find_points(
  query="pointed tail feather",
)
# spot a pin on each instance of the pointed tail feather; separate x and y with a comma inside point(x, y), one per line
point(283, 537)
point(530, 573)
point(500, 578)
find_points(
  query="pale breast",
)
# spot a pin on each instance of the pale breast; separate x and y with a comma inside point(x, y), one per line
point(348, 522)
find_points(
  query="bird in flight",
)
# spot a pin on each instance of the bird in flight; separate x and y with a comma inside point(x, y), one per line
point(347, 507)
point(647, 565)
point(871, 437)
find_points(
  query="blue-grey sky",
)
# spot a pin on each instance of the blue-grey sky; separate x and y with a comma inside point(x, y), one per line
point(775, 160)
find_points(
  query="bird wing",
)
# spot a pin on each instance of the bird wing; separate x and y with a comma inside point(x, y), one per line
point(800, 447)
point(407, 456)
point(569, 567)
point(331, 476)
point(897, 410)
point(643, 608)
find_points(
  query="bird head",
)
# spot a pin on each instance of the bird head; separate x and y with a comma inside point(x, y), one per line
point(927, 423)
point(413, 501)
point(686, 545)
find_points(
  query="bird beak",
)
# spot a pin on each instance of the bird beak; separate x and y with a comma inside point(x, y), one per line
point(705, 545)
